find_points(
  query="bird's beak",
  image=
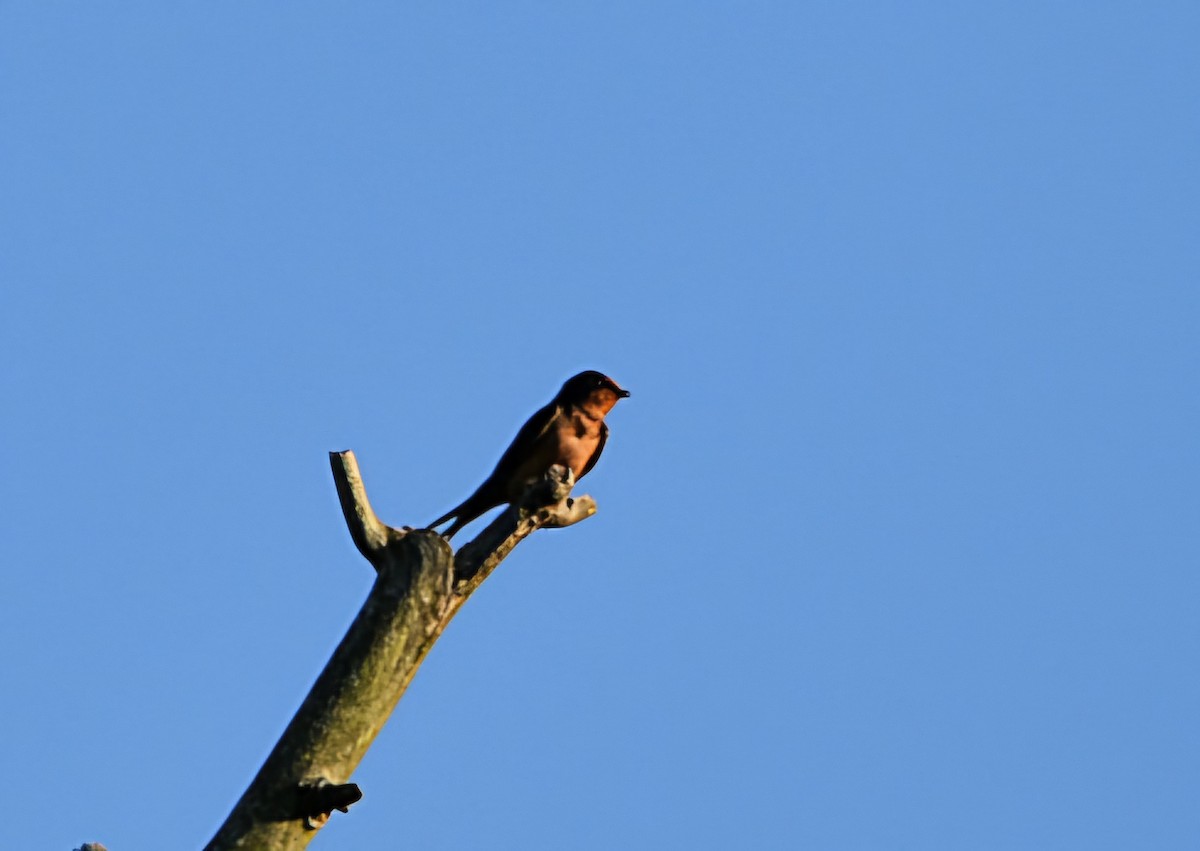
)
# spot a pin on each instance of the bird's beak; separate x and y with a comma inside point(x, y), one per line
point(622, 394)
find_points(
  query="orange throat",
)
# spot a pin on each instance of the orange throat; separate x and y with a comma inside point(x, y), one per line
point(599, 402)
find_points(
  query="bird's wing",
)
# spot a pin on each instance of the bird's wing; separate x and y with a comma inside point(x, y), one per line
point(599, 448)
point(517, 452)
point(494, 489)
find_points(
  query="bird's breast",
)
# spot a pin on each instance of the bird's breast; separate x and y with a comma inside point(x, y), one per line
point(571, 440)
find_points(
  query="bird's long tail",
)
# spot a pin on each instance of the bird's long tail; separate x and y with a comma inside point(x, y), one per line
point(483, 500)
point(462, 514)
point(454, 527)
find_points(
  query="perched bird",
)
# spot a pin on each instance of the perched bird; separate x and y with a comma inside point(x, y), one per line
point(568, 431)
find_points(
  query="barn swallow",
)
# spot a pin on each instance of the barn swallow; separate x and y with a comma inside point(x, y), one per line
point(568, 431)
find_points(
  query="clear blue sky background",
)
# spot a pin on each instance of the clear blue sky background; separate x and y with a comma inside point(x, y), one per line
point(897, 543)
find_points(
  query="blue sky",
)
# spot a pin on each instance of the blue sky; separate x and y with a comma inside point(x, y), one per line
point(897, 544)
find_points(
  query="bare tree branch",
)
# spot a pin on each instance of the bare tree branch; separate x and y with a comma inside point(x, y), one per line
point(420, 586)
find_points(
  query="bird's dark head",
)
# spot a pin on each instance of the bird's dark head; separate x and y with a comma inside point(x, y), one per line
point(593, 389)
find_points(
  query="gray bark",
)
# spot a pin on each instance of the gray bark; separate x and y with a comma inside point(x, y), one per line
point(420, 585)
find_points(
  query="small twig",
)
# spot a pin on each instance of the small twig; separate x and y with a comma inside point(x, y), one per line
point(320, 798)
point(368, 532)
